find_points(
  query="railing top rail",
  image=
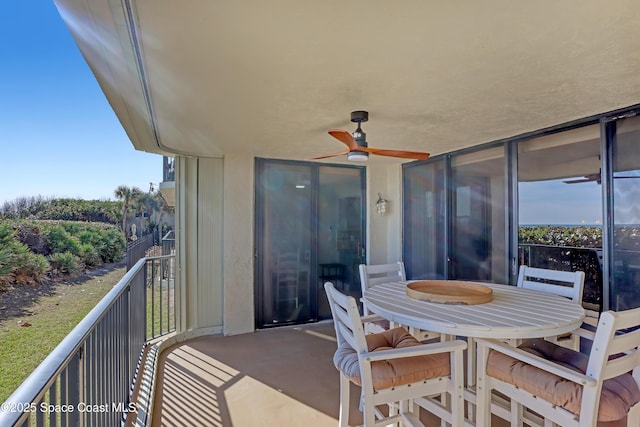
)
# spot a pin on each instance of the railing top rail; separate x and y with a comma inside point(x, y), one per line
point(44, 375)
point(152, 258)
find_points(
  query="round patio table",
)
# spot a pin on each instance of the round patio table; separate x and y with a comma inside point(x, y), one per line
point(514, 313)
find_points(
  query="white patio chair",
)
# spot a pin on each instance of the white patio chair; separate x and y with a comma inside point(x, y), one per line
point(569, 284)
point(562, 386)
point(372, 275)
point(393, 368)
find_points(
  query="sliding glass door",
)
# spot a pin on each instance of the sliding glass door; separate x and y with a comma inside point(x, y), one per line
point(309, 228)
point(454, 222)
point(560, 206)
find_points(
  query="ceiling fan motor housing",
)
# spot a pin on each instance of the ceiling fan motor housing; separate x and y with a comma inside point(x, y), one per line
point(359, 135)
point(359, 116)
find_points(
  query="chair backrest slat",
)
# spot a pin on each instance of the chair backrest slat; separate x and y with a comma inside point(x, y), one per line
point(569, 284)
point(346, 319)
point(372, 275)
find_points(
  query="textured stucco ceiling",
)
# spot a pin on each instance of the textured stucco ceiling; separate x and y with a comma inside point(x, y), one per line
point(269, 78)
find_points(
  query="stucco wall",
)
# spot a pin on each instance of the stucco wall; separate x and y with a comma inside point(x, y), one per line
point(238, 244)
point(385, 238)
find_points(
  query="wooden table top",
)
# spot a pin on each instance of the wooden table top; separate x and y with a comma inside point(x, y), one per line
point(513, 312)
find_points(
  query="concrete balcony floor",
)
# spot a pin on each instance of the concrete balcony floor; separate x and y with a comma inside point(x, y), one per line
point(276, 377)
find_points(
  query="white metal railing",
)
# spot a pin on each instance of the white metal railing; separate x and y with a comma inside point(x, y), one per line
point(88, 378)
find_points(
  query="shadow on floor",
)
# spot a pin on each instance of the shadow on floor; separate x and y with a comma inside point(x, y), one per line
point(276, 377)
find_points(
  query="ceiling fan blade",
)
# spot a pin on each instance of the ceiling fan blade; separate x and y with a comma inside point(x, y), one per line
point(416, 155)
point(344, 137)
point(341, 153)
point(577, 181)
point(587, 178)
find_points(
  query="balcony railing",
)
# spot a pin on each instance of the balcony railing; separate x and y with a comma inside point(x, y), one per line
point(87, 379)
point(137, 249)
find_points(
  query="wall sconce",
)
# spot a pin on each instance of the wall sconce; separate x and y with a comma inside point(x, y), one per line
point(381, 205)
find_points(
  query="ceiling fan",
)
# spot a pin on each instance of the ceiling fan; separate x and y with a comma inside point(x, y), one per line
point(595, 177)
point(357, 146)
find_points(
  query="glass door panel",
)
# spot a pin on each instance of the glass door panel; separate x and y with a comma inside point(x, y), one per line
point(340, 231)
point(560, 206)
point(285, 243)
point(424, 221)
point(625, 259)
point(478, 249)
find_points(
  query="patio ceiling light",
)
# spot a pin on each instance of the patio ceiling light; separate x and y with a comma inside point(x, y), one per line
point(358, 156)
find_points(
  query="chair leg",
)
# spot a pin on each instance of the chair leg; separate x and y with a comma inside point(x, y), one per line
point(369, 415)
point(457, 392)
point(516, 413)
point(483, 389)
point(633, 417)
point(345, 391)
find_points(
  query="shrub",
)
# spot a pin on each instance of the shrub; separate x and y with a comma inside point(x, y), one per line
point(6, 235)
point(582, 237)
point(65, 263)
point(113, 245)
point(90, 236)
point(6, 268)
point(89, 255)
point(28, 268)
point(29, 233)
point(61, 241)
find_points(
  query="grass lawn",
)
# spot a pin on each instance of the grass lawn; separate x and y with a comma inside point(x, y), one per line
point(51, 318)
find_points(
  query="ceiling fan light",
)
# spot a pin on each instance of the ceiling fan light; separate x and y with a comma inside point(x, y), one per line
point(358, 156)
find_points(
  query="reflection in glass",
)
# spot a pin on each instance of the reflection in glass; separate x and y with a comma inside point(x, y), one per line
point(478, 249)
point(625, 260)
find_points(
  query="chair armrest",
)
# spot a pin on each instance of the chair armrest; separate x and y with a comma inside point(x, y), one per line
point(538, 362)
point(416, 350)
point(371, 318)
point(584, 333)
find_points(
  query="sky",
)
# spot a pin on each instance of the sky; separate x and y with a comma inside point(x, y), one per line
point(554, 202)
point(58, 135)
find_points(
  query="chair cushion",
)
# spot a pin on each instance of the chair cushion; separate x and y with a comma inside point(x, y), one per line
point(394, 372)
point(618, 395)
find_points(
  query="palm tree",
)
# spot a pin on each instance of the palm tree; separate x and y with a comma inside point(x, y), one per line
point(127, 195)
point(161, 207)
point(143, 202)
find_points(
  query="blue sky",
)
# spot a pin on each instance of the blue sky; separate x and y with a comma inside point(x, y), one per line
point(58, 134)
point(554, 202)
